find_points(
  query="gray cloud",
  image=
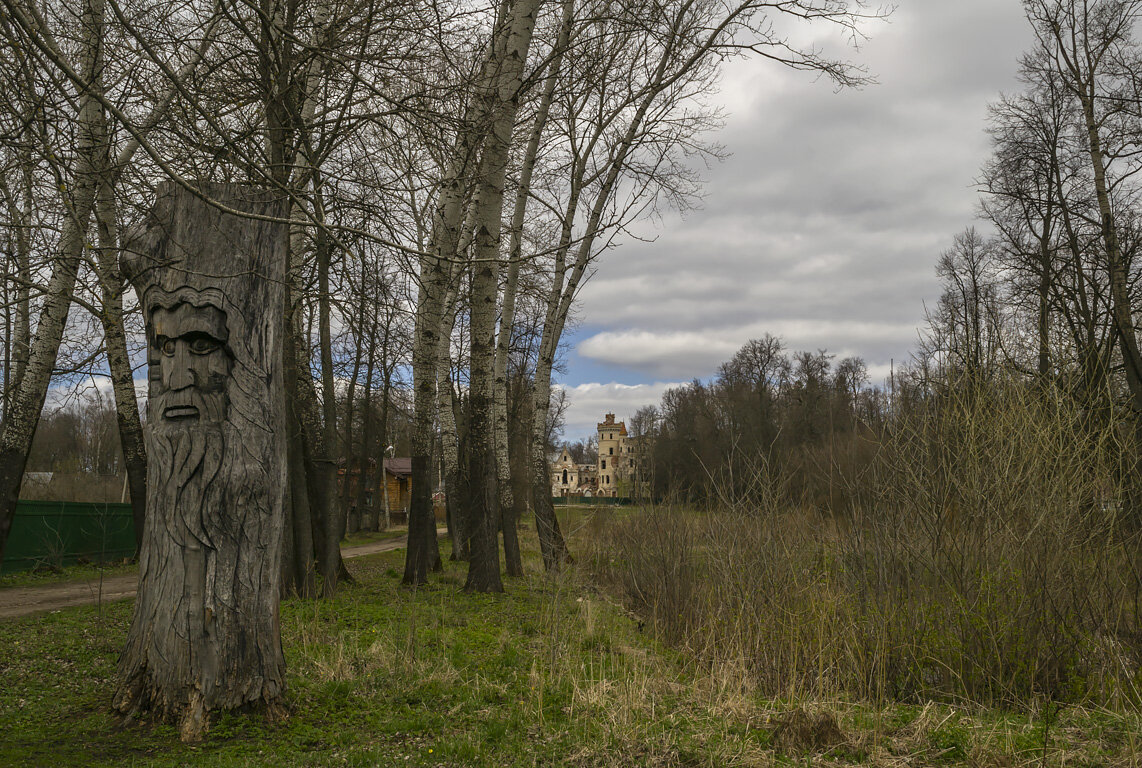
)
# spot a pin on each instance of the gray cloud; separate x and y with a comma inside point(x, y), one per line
point(825, 225)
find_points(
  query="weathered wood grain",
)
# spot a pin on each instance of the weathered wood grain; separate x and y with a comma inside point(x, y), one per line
point(205, 632)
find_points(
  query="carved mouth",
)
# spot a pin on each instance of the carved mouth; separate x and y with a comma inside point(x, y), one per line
point(181, 412)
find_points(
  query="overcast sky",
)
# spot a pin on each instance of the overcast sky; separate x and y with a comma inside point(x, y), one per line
point(824, 225)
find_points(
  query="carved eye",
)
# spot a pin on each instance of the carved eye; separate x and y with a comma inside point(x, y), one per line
point(168, 347)
point(203, 345)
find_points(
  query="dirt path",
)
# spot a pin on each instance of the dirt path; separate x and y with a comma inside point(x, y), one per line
point(20, 601)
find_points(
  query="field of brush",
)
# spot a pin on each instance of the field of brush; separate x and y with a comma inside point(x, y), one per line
point(642, 654)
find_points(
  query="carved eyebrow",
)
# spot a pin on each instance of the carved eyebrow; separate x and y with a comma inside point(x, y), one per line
point(183, 320)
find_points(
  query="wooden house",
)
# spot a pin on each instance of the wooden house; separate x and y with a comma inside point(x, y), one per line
point(392, 495)
point(398, 488)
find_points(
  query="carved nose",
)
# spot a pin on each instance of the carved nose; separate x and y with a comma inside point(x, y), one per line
point(182, 374)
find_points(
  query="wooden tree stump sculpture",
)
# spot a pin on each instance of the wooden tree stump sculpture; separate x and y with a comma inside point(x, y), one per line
point(205, 633)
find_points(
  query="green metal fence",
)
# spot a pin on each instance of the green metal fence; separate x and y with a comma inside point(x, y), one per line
point(58, 533)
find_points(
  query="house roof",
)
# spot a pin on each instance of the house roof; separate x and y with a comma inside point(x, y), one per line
point(401, 467)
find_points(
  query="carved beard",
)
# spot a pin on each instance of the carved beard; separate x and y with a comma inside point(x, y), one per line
point(187, 459)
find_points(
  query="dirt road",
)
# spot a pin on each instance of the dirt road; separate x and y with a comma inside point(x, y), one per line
point(20, 601)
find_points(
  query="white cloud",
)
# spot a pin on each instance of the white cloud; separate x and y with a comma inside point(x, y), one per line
point(588, 403)
point(678, 354)
point(652, 351)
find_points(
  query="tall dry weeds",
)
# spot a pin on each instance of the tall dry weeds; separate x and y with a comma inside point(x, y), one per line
point(988, 554)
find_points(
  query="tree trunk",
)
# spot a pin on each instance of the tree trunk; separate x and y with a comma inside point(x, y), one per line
point(348, 524)
point(418, 558)
point(205, 632)
point(119, 361)
point(22, 341)
point(502, 96)
point(450, 444)
point(335, 521)
point(559, 299)
point(552, 546)
point(383, 435)
point(18, 335)
point(300, 515)
point(509, 509)
point(1116, 267)
point(361, 516)
point(447, 233)
point(320, 465)
point(288, 581)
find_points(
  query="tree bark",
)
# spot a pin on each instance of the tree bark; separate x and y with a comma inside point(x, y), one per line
point(363, 479)
point(300, 516)
point(1116, 267)
point(335, 521)
point(502, 96)
point(205, 632)
point(18, 337)
point(447, 234)
point(350, 403)
point(320, 475)
point(449, 447)
point(509, 509)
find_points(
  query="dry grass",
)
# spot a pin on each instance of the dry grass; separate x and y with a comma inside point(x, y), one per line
point(989, 559)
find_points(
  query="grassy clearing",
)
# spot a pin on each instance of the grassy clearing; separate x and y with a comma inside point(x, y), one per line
point(551, 673)
point(769, 609)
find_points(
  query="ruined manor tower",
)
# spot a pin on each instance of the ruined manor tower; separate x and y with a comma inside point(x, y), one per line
point(614, 457)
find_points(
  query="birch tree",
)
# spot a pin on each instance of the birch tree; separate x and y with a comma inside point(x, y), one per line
point(89, 170)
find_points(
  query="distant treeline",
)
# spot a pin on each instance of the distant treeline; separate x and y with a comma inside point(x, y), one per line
point(791, 415)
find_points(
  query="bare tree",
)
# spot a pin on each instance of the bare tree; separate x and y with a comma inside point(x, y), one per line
point(90, 171)
point(966, 325)
point(1090, 48)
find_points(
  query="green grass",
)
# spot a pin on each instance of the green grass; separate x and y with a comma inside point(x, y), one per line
point(551, 673)
point(85, 572)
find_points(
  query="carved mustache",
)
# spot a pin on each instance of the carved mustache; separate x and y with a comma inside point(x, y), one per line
point(191, 405)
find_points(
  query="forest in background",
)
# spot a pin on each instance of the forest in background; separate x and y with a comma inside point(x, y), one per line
point(1038, 301)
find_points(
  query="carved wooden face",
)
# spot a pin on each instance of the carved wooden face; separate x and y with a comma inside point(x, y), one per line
point(189, 348)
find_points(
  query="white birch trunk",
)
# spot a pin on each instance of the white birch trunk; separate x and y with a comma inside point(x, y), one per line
point(118, 358)
point(503, 98)
point(28, 399)
point(507, 316)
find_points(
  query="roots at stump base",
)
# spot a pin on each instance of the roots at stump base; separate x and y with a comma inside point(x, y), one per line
point(192, 718)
